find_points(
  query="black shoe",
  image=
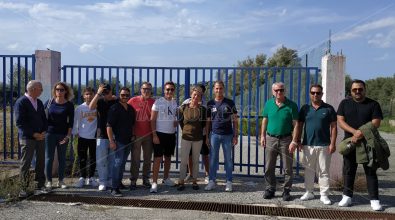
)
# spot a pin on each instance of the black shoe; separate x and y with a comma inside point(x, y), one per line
point(116, 192)
point(286, 196)
point(195, 186)
point(146, 183)
point(181, 187)
point(268, 194)
point(133, 186)
point(121, 186)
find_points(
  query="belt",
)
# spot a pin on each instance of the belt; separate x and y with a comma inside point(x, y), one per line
point(279, 136)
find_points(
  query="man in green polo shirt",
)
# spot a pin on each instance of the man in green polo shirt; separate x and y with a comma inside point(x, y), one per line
point(280, 117)
point(319, 142)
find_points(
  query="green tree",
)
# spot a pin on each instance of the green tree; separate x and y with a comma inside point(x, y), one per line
point(284, 57)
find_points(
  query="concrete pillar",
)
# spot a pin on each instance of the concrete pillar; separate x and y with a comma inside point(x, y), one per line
point(333, 83)
point(48, 65)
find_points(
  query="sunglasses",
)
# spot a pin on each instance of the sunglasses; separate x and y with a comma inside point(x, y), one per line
point(170, 90)
point(146, 89)
point(279, 90)
point(316, 93)
point(125, 95)
point(60, 89)
point(357, 90)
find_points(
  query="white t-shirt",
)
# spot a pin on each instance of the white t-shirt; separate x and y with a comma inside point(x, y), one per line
point(166, 115)
point(85, 122)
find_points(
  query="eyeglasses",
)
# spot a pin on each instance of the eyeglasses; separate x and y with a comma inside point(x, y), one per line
point(146, 89)
point(357, 90)
point(279, 90)
point(60, 89)
point(316, 93)
point(124, 95)
point(170, 89)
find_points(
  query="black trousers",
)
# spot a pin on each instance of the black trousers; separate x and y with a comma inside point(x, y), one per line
point(349, 170)
point(87, 165)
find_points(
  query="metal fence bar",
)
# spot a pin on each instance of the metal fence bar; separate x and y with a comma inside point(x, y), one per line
point(12, 106)
point(4, 110)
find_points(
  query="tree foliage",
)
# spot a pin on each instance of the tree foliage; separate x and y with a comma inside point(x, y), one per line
point(284, 57)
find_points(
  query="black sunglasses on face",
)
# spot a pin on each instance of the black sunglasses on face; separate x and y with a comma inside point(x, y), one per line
point(315, 93)
point(60, 90)
point(124, 95)
point(279, 90)
point(170, 89)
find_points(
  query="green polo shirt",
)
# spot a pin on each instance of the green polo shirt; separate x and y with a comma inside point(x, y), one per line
point(317, 124)
point(280, 118)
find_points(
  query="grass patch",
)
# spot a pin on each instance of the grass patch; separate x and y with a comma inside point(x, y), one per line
point(10, 186)
point(386, 126)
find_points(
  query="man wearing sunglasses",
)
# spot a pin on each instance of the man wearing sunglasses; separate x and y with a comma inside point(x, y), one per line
point(121, 119)
point(102, 102)
point(353, 113)
point(319, 142)
point(280, 117)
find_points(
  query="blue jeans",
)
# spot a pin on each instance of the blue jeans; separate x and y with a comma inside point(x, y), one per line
point(120, 155)
point(216, 140)
point(103, 161)
point(52, 143)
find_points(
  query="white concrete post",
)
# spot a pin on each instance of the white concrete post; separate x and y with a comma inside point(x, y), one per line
point(48, 65)
point(333, 82)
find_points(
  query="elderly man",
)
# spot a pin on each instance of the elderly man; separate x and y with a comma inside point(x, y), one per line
point(319, 142)
point(32, 125)
point(352, 114)
point(280, 117)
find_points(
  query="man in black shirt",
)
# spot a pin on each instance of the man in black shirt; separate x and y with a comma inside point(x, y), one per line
point(352, 114)
point(121, 119)
point(102, 102)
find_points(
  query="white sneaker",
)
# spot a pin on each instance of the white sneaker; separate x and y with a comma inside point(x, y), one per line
point(168, 182)
point(80, 183)
point(210, 185)
point(307, 196)
point(188, 178)
point(102, 187)
point(49, 185)
point(228, 187)
point(154, 188)
point(376, 206)
point(91, 182)
point(325, 200)
point(62, 185)
point(345, 202)
point(206, 180)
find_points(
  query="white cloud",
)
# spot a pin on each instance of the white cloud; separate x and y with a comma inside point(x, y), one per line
point(384, 57)
point(85, 48)
point(360, 30)
point(13, 47)
point(383, 40)
point(13, 6)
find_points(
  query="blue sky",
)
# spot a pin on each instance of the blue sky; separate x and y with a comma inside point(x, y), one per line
point(200, 32)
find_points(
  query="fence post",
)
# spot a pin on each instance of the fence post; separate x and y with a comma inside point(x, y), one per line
point(47, 67)
point(333, 82)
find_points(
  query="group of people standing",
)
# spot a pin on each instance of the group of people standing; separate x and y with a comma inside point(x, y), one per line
point(281, 134)
point(110, 128)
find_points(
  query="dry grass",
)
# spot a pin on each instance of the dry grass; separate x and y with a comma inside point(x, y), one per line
point(360, 184)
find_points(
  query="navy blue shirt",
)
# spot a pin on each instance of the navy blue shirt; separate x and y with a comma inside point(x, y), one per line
point(317, 123)
point(357, 114)
point(29, 120)
point(221, 116)
point(121, 121)
point(60, 117)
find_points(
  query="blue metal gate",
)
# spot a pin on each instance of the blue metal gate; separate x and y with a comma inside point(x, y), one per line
point(250, 88)
point(15, 72)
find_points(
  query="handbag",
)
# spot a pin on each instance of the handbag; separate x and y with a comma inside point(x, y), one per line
point(47, 108)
